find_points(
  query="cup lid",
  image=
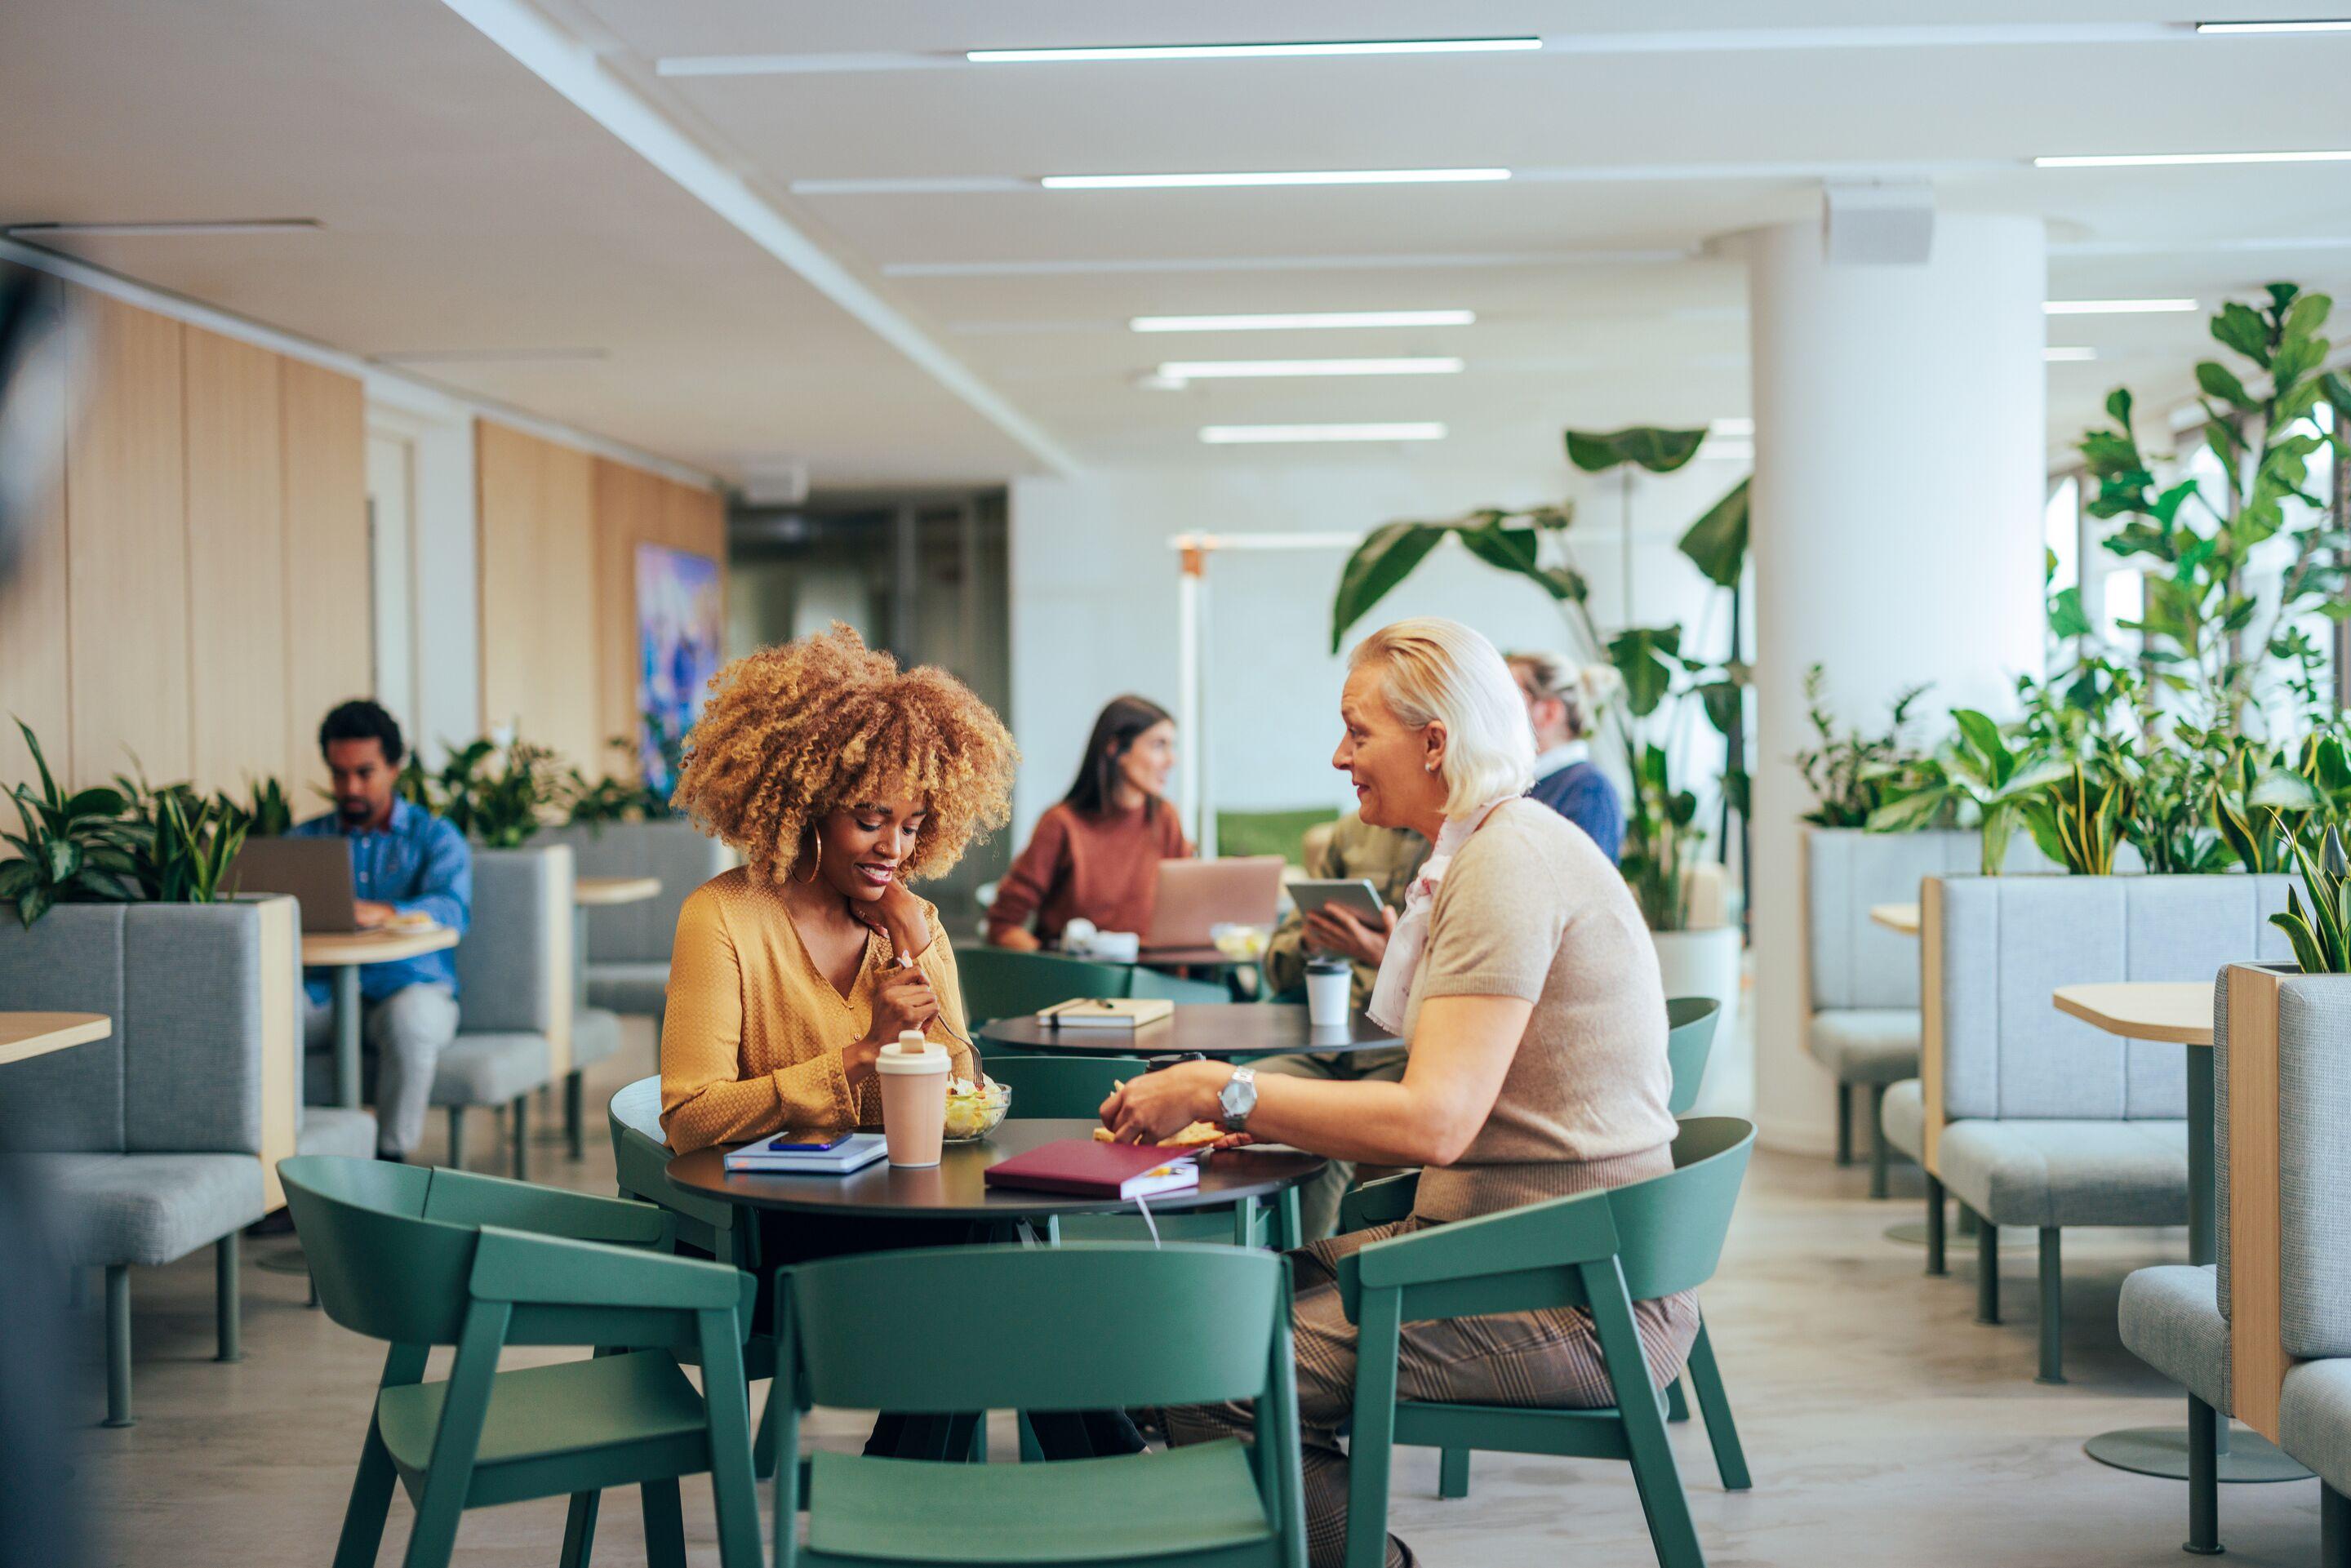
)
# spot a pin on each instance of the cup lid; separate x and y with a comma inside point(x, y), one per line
point(912, 1054)
point(1325, 965)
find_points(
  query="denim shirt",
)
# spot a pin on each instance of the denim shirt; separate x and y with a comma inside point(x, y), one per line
point(418, 864)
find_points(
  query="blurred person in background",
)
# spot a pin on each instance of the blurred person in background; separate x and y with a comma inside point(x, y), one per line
point(1387, 858)
point(1095, 855)
point(1564, 702)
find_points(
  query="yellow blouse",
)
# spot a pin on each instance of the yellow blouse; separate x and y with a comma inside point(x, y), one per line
point(753, 1032)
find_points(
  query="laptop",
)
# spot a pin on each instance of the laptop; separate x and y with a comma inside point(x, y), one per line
point(318, 872)
point(1194, 895)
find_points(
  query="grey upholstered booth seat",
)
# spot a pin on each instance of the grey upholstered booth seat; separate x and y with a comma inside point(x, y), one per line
point(511, 983)
point(146, 1209)
point(2171, 1318)
point(629, 944)
point(1864, 979)
point(150, 1140)
point(2048, 1120)
point(329, 1130)
point(2314, 1419)
point(638, 986)
point(2056, 1173)
point(1902, 1117)
point(595, 1037)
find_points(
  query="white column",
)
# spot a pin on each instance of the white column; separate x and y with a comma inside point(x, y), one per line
point(1900, 456)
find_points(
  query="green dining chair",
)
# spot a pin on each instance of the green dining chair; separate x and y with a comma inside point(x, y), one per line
point(1056, 1086)
point(1598, 1250)
point(1071, 1328)
point(998, 982)
point(640, 1157)
point(422, 1256)
point(1180, 989)
point(1689, 1040)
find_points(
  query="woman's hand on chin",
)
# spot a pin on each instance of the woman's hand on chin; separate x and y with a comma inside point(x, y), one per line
point(898, 915)
point(1146, 1109)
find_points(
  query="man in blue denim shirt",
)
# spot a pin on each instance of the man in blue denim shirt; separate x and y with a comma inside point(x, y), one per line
point(404, 860)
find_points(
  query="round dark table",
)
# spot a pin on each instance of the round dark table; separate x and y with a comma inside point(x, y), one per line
point(1221, 1030)
point(953, 1189)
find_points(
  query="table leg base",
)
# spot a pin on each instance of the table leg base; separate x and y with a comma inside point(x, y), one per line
point(2163, 1451)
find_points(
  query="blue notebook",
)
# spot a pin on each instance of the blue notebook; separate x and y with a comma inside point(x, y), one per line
point(764, 1158)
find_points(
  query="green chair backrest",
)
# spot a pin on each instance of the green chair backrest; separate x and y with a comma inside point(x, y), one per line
point(1689, 1040)
point(998, 982)
point(1060, 1085)
point(1158, 983)
point(1670, 1228)
point(381, 1268)
point(1080, 1327)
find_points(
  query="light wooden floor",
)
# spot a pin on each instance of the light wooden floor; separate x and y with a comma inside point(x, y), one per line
point(1882, 1424)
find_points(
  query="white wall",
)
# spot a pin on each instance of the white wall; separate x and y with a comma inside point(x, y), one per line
point(1094, 597)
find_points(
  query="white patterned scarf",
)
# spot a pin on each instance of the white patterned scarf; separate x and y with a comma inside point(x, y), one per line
point(1408, 943)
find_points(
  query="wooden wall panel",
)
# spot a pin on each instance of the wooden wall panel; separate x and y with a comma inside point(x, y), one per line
point(510, 487)
point(32, 636)
point(566, 712)
point(127, 557)
point(236, 585)
point(330, 587)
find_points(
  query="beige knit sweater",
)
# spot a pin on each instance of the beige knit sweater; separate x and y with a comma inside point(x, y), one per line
point(1531, 908)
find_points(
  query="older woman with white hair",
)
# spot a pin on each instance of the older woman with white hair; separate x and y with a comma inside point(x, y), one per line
point(1527, 991)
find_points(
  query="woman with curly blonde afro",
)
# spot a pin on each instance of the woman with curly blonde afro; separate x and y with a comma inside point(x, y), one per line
point(841, 778)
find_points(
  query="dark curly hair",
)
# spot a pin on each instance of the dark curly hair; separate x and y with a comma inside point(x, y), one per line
point(815, 724)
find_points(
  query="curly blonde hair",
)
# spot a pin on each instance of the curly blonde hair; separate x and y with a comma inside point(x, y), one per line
point(809, 726)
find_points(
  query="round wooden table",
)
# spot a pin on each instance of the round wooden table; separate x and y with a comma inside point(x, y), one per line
point(1900, 918)
point(954, 1188)
point(347, 953)
point(1222, 1030)
point(2177, 1012)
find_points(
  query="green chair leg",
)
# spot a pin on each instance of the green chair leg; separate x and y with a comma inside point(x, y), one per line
point(664, 1525)
point(521, 1130)
point(1289, 1230)
point(457, 1137)
point(117, 1345)
point(457, 1439)
point(1987, 1271)
point(732, 1485)
point(1721, 1431)
point(1672, 1532)
point(1031, 1451)
point(574, 1144)
point(2052, 1309)
point(1676, 1406)
point(1844, 1125)
point(228, 1303)
point(1372, 1444)
point(2204, 1480)
point(1453, 1473)
point(763, 1444)
point(1936, 1266)
point(1245, 1223)
point(1877, 1150)
point(2334, 1527)
point(579, 1529)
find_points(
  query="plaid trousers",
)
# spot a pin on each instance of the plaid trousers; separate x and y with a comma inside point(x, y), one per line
point(1547, 1358)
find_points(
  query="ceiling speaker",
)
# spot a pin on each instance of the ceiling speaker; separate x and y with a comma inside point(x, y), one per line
point(1888, 224)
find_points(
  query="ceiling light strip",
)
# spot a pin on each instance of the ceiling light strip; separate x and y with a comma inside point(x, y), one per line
point(1742, 40)
point(2249, 27)
point(1253, 51)
point(39, 232)
point(573, 69)
point(1241, 370)
point(2116, 307)
point(1312, 321)
point(1271, 177)
point(2177, 160)
point(1059, 266)
point(1287, 435)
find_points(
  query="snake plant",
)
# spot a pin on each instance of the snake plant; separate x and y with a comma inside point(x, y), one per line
point(2321, 930)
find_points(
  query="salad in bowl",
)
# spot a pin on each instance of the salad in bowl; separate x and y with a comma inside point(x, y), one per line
point(974, 1109)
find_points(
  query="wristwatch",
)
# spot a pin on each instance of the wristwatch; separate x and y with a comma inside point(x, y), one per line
point(1239, 1098)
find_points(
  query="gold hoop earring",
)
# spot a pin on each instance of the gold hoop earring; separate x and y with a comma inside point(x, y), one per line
point(819, 864)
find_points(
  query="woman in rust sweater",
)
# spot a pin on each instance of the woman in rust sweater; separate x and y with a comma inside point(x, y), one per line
point(1097, 853)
